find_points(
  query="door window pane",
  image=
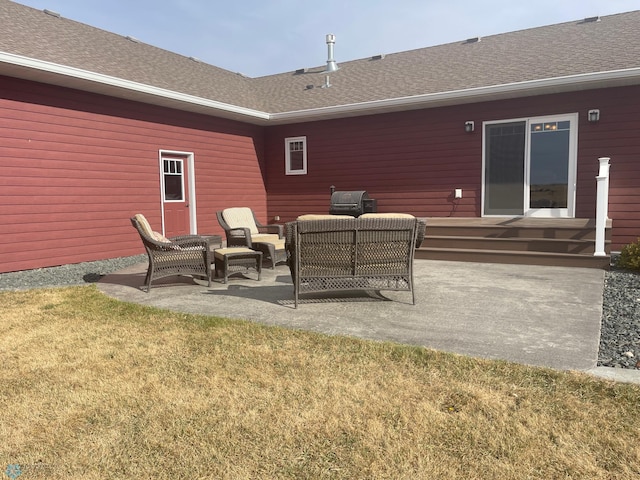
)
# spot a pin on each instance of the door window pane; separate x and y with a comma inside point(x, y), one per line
point(549, 166)
point(504, 169)
point(173, 180)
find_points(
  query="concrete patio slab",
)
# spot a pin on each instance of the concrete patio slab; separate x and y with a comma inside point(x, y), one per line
point(535, 315)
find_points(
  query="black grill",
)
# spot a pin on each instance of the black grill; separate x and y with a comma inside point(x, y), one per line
point(353, 203)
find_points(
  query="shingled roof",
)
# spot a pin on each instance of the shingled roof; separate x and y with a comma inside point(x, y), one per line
point(588, 53)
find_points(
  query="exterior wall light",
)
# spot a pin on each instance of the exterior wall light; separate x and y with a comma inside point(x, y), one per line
point(594, 115)
point(469, 127)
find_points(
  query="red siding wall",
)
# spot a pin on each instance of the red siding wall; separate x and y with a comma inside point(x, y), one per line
point(75, 167)
point(412, 161)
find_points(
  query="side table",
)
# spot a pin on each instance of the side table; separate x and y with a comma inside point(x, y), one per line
point(215, 241)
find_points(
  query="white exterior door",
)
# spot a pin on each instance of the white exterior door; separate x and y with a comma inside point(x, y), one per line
point(178, 198)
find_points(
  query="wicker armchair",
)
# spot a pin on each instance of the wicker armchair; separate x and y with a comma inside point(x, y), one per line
point(243, 230)
point(182, 255)
point(373, 252)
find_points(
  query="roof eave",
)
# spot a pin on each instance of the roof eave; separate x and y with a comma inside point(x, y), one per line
point(587, 81)
point(70, 77)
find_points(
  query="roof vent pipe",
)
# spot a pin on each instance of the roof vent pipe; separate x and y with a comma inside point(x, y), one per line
point(332, 66)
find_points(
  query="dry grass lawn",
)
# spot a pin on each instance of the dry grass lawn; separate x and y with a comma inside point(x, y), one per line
point(93, 388)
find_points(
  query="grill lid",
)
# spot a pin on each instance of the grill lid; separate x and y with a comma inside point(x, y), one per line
point(353, 203)
point(349, 198)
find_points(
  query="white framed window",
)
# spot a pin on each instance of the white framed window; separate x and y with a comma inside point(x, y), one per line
point(295, 149)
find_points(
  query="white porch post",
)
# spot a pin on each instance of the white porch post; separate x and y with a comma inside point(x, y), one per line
point(602, 205)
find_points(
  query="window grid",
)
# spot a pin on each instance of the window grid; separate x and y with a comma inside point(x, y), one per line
point(296, 146)
point(172, 166)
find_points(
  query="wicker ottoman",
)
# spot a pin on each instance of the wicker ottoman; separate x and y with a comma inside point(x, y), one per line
point(234, 259)
point(272, 250)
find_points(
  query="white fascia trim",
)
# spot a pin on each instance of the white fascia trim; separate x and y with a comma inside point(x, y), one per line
point(465, 94)
point(58, 69)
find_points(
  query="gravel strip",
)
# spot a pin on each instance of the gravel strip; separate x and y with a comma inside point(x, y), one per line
point(620, 331)
point(66, 275)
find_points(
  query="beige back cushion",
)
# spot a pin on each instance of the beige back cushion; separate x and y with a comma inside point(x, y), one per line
point(240, 217)
point(144, 224)
point(158, 237)
point(146, 229)
point(386, 215)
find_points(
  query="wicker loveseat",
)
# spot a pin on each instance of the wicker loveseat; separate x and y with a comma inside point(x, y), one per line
point(372, 252)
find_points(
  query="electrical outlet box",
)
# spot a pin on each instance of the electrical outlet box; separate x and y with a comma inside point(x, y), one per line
point(458, 193)
point(276, 218)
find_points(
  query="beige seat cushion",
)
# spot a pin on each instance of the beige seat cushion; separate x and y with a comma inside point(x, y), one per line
point(221, 252)
point(265, 237)
point(386, 215)
point(240, 217)
point(277, 242)
point(280, 244)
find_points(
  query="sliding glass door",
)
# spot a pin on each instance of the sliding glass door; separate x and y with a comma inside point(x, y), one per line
point(529, 167)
